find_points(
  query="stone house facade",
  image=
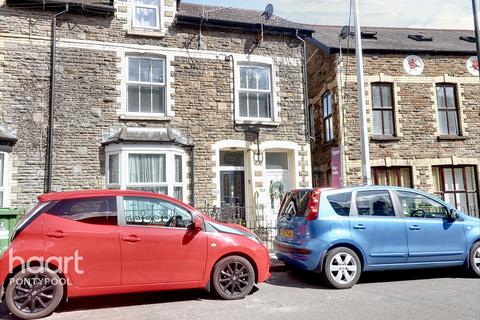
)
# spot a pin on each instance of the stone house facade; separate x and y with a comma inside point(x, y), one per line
point(423, 103)
point(182, 99)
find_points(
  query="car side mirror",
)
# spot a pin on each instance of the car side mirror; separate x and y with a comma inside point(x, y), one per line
point(196, 225)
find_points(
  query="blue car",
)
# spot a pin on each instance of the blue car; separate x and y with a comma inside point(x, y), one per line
point(343, 232)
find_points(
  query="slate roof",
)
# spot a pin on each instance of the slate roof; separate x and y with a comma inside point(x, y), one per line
point(396, 40)
point(234, 15)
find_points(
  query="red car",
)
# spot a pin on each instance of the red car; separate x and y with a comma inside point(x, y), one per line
point(87, 243)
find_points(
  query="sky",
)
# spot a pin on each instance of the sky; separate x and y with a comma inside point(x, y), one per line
point(437, 14)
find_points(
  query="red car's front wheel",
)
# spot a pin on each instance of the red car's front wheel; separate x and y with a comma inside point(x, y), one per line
point(34, 293)
point(233, 277)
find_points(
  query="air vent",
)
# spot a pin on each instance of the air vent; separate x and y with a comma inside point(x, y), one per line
point(468, 39)
point(419, 37)
point(369, 35)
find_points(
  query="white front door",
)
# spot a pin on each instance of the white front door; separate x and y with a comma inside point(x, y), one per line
point(277, 182)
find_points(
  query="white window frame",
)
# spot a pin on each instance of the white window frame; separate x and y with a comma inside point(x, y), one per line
point(272, 82)
point(136, 5)
point(142, 83)
point(124, 150)
point(5, 183)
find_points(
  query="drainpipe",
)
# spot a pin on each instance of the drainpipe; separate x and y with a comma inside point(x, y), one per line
point(192, 173)
point(305, 89)
point(48, 174)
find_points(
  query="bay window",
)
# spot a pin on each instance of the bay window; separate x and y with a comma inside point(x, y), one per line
point(457, 185)
point(255, 92)
point(146, 14)
point(146, 85)
point(158, 170)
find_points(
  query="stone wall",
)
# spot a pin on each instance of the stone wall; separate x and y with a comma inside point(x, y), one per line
point(88, 95)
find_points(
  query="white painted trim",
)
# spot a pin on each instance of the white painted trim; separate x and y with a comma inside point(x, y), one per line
point(257, 61)
point(6, 180)
point(168, 82)
point(158, 7)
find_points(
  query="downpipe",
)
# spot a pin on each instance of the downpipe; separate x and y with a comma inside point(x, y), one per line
point(51, 113)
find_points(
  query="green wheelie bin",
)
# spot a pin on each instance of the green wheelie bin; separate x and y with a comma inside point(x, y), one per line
point(8, 219)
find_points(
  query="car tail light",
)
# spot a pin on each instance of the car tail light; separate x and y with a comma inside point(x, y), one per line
point(313, 205)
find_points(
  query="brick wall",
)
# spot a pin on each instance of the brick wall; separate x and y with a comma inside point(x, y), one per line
point(416, 116)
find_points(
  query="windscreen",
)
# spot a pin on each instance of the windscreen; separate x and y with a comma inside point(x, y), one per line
point(296, 203)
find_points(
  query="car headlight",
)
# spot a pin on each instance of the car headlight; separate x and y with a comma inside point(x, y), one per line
point(255, 238)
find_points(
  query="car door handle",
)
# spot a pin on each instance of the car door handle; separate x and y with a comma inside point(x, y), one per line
point(414, 227)
point(56, 234)
point(359, 226)
point(131, 239)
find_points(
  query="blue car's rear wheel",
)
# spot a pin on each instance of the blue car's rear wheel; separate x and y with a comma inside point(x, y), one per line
point(475, 259)
point(342, 268)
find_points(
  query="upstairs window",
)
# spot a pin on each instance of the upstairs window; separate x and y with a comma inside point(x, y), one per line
point(448, 110)
point(382, 105)
point(255, 93)
point(327, 116)
point(146, 85)
point(146, 14)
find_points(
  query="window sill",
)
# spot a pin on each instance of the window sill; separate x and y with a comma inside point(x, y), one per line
point(451, 138)
point(257, 122)
point(131, 116)
point(385, 138)
point(146, 33)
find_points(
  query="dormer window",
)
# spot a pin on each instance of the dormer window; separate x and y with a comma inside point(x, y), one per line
point(420, 37)
point(146, 14)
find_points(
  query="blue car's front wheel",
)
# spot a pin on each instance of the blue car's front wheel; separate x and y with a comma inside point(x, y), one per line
point(342, 268)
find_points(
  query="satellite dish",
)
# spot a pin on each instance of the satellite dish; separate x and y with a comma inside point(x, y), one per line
point(345, 33)
point(268, 13)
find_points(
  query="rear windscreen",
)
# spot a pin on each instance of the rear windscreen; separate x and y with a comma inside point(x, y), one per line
point(296, 203)
point(341, 203)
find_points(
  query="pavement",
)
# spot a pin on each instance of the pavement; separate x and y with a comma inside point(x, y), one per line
point(293, 295)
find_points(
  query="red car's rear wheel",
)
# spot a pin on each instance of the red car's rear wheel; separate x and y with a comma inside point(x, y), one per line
point(34, 293)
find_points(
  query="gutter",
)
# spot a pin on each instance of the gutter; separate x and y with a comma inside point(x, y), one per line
point(193, 21)
point(331, 50)
point(51, 106)
point(74, 6)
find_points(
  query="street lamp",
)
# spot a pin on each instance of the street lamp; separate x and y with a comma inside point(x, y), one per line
point(477, 32)
point(366, 170)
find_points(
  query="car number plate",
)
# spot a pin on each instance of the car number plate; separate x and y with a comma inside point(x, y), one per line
point(286, 233)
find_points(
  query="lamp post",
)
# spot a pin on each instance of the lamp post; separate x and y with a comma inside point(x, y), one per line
point(366, 170)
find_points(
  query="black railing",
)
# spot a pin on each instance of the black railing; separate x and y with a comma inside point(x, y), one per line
point(252, 218)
